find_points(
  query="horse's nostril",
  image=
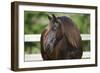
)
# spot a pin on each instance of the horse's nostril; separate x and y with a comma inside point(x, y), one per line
point(48, 48)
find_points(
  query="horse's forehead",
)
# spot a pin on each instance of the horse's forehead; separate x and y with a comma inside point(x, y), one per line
point(52, 33)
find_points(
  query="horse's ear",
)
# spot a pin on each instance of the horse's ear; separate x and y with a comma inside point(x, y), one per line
point(49, 17)
point(54, 17)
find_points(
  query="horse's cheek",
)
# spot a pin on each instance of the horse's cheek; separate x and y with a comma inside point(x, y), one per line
point(45, 41)
point(55, 53)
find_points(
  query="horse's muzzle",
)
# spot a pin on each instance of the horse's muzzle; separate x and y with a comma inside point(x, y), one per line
point(48, 49)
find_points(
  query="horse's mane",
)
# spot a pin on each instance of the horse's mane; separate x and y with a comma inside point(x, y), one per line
point(70, 31)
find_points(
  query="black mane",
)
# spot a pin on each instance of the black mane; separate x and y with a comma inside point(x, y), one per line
point(65, 19)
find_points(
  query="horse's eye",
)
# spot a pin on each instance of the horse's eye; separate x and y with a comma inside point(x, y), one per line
point(54, 28)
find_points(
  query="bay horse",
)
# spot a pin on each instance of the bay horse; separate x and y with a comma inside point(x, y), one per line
point(61, 39)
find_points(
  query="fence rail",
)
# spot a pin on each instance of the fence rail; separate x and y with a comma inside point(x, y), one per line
point(36, 37)
point(34, 57)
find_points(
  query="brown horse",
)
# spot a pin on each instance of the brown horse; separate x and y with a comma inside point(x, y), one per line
point(61, 40)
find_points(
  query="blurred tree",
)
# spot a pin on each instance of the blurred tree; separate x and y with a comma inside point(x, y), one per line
point(32, 47)
point(34, 22)
point(83, 22)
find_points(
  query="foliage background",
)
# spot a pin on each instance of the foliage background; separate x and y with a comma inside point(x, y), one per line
point(35, 22)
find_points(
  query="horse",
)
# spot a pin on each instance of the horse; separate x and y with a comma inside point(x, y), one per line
point(61, 39)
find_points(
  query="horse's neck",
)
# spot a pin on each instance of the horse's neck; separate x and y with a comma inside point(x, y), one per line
point(62, 44)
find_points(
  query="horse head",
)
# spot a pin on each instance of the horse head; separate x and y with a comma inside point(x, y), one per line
point(53, 33)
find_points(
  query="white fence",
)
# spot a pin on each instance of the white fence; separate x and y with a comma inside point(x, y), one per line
point(36, 37)
point(34, 57)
